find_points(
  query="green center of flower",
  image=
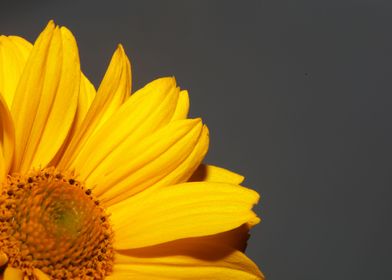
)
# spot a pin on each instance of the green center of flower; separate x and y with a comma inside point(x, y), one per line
point(49, 221)
point(67, 219)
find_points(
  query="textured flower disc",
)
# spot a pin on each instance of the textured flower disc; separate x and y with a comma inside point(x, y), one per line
point(49, 221)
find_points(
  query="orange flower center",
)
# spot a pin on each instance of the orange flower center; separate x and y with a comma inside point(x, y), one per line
point(49, 221)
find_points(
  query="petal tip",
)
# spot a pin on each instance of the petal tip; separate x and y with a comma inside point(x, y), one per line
point(254, 221)
point(171, 80)
point(51, 24)
point(120, 51)
point(197, 122)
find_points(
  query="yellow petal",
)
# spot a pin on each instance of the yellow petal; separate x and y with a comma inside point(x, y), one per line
point(22, 44)
point(14, 52)
point(189, 165)
point(144, 112)
point(132, 169)
point(236, 238)
point(180, 211)
point(7, 139)
point(11, 273)
point(211, 173)
point(45, 100)
point(86, 96)
point(113, 91)
point(41, 275)
point(182, 108)
point(185, 259)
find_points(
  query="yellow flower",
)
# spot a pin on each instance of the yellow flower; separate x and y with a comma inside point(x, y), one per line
point(108, 185)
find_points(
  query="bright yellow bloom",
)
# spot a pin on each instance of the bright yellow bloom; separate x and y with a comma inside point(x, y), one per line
point(108, 185)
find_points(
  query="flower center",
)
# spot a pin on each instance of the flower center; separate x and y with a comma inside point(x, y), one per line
point(50, 221)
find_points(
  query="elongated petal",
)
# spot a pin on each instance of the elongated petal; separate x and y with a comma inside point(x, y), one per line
point(236, 238)
point(14, 52)
point(185, 170)
point(143, 113)
point(182, 108)
point(113, 91)
point(11, 273)
point(140, 166)
point(46, 98)
point(22, 44)
point(180, 211)
point(185, 259)
point(7, 139)
point(86, 96)
point(211, 173)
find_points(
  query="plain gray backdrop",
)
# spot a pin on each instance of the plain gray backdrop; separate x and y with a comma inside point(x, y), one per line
point(297, 95)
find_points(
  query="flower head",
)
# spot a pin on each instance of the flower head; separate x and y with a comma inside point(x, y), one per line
point(108, 184)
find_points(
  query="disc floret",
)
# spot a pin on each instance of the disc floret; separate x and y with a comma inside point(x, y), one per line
point(50, 221)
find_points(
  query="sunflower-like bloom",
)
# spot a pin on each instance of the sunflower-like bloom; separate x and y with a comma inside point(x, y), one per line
point(109, 185)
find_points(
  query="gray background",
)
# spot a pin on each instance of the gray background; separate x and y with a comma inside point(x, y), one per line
point(297, 95)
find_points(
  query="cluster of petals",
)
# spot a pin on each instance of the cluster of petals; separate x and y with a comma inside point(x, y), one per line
point(173, 217)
